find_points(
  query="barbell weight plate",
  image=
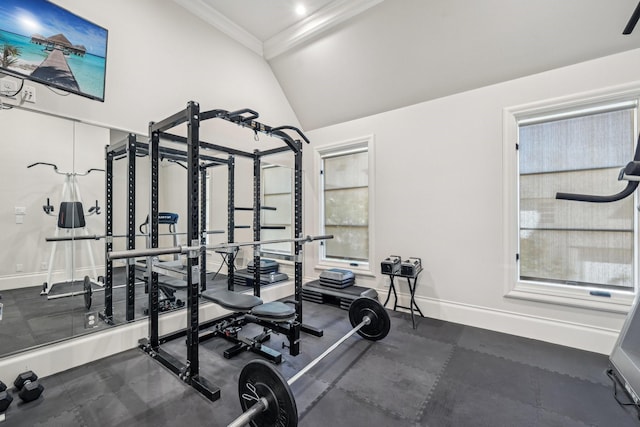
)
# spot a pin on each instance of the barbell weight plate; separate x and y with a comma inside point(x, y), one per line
point(88, 292)
point(380, 322)
point(260, 379)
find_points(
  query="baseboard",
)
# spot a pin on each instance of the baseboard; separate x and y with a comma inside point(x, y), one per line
point(583, 337)
point(53, 358)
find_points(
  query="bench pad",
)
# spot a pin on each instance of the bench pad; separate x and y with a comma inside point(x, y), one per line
point(274, 311)
point(232, 300)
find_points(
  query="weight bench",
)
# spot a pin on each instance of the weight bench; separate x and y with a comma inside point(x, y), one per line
point(251, 309)
point(167, 286)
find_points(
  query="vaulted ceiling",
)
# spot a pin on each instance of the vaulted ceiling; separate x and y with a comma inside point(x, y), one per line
point(346, 59)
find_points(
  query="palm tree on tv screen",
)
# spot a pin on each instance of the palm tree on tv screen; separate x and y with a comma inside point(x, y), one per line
point(10, 55)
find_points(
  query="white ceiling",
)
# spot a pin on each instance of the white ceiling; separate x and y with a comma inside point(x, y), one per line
point(264, 19)
point(352, 58)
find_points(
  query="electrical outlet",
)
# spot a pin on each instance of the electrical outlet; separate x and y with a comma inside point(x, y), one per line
point(19, 268)
point(29, 94)
point(8, 87)
point(44, 265)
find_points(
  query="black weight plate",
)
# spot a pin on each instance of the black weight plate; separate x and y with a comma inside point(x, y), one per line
point(88, 292)
point(260, 379)
point(380, 321)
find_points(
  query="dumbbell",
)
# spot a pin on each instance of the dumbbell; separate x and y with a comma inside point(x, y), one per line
point(5, 397)
point(28, 387)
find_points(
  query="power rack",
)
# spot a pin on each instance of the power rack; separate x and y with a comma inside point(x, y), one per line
point(189, 370)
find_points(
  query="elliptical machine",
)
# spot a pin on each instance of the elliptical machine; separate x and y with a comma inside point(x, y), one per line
point(624, 359)
point(71, 217)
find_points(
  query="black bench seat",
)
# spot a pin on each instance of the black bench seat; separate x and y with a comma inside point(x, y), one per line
point(233, 301)
point(274, 311)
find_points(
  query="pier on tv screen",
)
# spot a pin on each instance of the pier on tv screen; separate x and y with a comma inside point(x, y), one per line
point(43, 42)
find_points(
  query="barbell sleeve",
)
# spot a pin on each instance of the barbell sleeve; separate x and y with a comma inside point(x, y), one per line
point(247, 416)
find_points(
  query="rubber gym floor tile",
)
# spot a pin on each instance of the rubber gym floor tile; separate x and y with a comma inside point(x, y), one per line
point(426, 327)
point(307, 390)
point(90, 385)
point(492, 374)
point(136, 365)
point(53, 403)
point(159, 389)
point(581, 400)
point(339, 362)
point(455, 404)
point(374, 378)
point(564, 360)
point(70, 417)
point(338, 408)
point(195, 411)
point(111, 410)
point(415, 351)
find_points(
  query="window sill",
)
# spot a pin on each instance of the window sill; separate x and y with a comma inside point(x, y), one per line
point(619, 301)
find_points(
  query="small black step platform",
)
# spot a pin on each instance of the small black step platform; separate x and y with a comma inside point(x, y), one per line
point(245, 278)
point(313, 291)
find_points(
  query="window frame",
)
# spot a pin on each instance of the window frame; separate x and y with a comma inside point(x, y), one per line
point(364, 143)
point(620, 300)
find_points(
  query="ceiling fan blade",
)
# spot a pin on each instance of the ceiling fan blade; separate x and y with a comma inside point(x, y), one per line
point(632, 21)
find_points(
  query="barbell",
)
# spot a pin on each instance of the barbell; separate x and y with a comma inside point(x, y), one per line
point(265, 395)
point(138, 253)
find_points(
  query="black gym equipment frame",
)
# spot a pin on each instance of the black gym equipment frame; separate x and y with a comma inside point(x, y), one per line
point(130, 148)
point(189, 371)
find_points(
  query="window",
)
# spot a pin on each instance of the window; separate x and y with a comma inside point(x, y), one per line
point(345, 206)
point(571, 252)
point(276, 193)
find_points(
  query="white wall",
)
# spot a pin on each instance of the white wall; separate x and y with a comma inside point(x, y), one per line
point(438, 196)
point(159, 57)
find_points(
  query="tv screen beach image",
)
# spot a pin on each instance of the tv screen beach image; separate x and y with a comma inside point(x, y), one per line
point(46, 43)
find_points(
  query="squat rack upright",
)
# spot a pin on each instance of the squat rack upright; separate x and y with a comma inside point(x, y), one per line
point(130, 149)
point(245, 118)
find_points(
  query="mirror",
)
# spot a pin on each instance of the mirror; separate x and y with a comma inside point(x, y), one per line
point(55, 215)
point(53, 191)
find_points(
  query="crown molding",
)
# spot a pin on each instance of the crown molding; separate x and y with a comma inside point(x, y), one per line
point(211, 16)
point(324, 19)
point(328, 17)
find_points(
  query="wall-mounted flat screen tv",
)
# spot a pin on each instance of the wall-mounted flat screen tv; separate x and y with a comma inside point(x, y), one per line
point(43, 42)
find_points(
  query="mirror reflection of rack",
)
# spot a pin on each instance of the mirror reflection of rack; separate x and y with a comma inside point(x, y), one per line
point(46, 158)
